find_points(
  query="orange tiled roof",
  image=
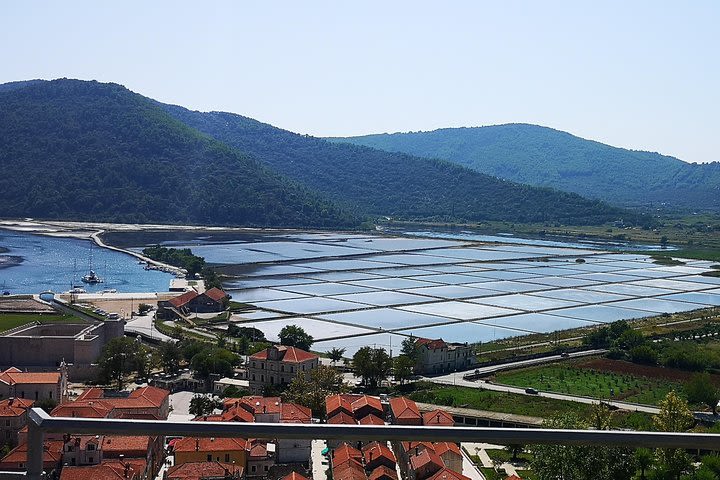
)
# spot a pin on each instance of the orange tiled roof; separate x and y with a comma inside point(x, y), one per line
point(439, 418)
point(341, 418)
point(287, 354)
point(371, 419)
point(198, 470)
point(443, 447)
point(377, 450)
point(426, 457)
point(294, 476)
point(14, 376)
point(345, 452)
point(447, 474)
point(83, 409)
point(367, 400)
point(257, 448)
point(383, 472)
point(335, 403)
point(14, 407)
point(153, 395)
point(52, 454)
point(403, 407)
point(436, 344)
point(257, 404)
point(351, 469)
point(215, 294)
point(130, 446)
point(294, 413)
point(107, 470)
point(211, 444)
point(410, 447)
point(183, 299)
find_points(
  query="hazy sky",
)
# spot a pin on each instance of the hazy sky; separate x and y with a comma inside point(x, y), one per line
point(636, 74)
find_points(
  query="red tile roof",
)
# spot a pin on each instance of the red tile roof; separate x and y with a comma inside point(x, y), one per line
point(52, 454)
point(209, 444)
point(215, 294)
point(341, 418)
point(404, 408)
point(257, 404)
point(294, 413)
point(436, 344)
point(14, 376)
point(447, 474)
point(198, 470)
point(257, 448)
point(336, 403)
point(107, 470)
point(442, 447)
point(376, 450)
point(371, 419)
point(153, 395)
point(425, 458)
point(410, 447)
point(345, 452)
point(438, 418)
point(513, 477)
point(129, 446)
point(367, 401)
point(294, 476)
point(183, 299)
point(350, 471)
point(14, 407)
point(286, 354)
point(83, 409)
point(383, 473)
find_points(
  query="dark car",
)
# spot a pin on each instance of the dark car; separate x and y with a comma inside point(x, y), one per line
point(531, 391)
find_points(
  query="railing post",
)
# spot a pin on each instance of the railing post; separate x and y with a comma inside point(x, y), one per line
point(35, 452)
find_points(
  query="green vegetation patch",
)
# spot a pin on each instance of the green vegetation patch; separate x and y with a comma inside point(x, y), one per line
point(666, 260)
point(573, 379)
point(9, 321)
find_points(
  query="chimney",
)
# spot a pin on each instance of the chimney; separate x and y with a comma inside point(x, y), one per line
point(197, 444)
point(416, 450)
point(371, 455)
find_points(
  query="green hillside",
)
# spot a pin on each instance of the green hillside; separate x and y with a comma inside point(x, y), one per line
point(89, 151)
point(545, 157)
point(393, 184)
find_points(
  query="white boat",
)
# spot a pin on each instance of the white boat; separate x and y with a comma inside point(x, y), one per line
point(91, 277)
point(77, 290)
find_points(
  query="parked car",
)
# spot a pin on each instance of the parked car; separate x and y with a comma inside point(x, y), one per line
point(531, 391)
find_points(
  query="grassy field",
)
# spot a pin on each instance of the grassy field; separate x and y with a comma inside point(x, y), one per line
point(574, 380)
point(12, 320)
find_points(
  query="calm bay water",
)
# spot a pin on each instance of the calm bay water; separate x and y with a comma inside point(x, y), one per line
point(50, 263)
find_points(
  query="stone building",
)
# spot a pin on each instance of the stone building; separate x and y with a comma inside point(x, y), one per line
point(438, 356)
point(278, 365)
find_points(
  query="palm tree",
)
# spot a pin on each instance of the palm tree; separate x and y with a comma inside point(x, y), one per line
point(644, 459)
point(335, 354)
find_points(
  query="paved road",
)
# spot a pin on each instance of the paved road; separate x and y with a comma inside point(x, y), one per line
point(456, 378)
point(143, 325)
point(180, 403)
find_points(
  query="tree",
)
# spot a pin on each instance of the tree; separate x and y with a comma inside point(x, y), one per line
point(514, 449)
point(121, 356)
point(373, 365)
point(700, 389)
point(234, 392)
point(47, 404)
point(312, 390)
point(580, 462)
point(294, 336)
point(214, 360)
point(644, 460)
point(674, 416)
point(410, 349)
point(403, 368)
point(335, 354)
point(170, 356)
point(203, 405)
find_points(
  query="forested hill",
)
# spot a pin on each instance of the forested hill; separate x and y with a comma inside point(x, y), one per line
point(394, 184)
point(545, 157)
point(89, 151)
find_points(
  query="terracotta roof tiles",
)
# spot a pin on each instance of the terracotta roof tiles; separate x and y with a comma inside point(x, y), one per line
point(286, 354)
point(209, 444)
point(198, 470)
point(447, 474)
point(404, 408)
point(438, 418)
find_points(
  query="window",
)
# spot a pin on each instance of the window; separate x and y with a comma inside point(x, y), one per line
point(292, 369)
point(282, 368)
point(72, 461)
point(253, 468)
point(37, 395)
point(90, 459)
point(272, 380)
point(209, 458)
point(253, 377)
point(262, 378)
point(50, 394)
point(91, 447)
point(254, 365)
point(7, 423)
point(262, 365)
point(265, 468)
point(227, 457)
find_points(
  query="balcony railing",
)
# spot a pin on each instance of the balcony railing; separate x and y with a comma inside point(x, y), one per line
point(40, 423)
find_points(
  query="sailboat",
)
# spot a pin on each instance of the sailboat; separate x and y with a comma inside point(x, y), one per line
point(91, 277)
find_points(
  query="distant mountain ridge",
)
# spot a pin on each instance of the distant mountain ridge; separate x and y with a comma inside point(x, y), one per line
point(543, 156)
point(394, 184)
point(71, 149)
point(74, 149)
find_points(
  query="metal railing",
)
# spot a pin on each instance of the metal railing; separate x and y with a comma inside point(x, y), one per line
point(39, 423)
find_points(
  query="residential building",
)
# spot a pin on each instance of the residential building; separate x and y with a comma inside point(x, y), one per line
point(376, 454)
point(210, 301)
point(424, 465)
point(146, 402)
point(81, 450)
point(16, 460)
point(199, 449)
point(34, 385)
point(383, 473)
point(129, 469)
point(278, 365)
point(448, 474)
point(404, 411)
point(261, 457)
point(438, 418)
point(13, 417)
point(438, 356)
point(205, 471)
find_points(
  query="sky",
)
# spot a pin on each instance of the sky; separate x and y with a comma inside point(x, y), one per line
point(638, 74)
